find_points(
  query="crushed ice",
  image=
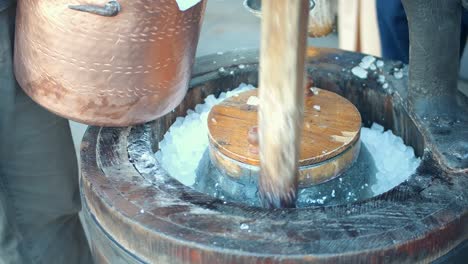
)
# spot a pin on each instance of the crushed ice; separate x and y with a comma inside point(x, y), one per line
point(253, 100)
point(367, 62)
point(187, 139)
point(244, 226)
point(398, 74)
point(370, 64)
point(394, 161)
point(380, 64)
point(314, 90)
point(359, 72)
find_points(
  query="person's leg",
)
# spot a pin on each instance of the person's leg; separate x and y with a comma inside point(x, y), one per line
point(10, 237)
point(464, 32)
point(394, 33)
point(39, 167)
point(393, 29)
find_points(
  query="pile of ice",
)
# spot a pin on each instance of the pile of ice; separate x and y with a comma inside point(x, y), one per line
point(394, 161)
point(367, 63)
point(370, 64)
point(187, 139)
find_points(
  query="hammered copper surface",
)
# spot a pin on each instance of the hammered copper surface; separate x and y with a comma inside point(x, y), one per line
point(109, 71)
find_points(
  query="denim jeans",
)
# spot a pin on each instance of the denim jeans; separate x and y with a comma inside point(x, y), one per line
point(394, 32)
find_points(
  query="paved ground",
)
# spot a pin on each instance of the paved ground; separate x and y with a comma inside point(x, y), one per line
point(227, 26)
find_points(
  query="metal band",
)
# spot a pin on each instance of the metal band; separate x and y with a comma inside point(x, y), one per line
point(112, 8)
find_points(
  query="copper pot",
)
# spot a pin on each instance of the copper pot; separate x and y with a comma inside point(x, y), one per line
point(106, 63)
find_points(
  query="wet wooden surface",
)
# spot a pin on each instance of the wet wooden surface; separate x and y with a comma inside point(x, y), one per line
point(329, 138)
point(326, 133)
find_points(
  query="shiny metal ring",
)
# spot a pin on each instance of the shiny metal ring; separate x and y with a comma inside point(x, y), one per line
point(311, 4)
point(255, 6)
point(111, 8)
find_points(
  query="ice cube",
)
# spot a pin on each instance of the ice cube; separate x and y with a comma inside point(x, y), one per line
point(367, 61)
point(359, 72)
point(380, 64)
point(244, 226)
point(253, 100)
point(377, 127)
point(398, 74)
point(381, 79)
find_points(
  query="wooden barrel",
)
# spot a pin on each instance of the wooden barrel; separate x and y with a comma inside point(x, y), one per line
point(135, 212)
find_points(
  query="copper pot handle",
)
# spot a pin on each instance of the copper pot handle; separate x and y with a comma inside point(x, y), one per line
point(111, 8)
point(312, 4)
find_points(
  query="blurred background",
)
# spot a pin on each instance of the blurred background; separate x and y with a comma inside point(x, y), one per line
point(229, 26)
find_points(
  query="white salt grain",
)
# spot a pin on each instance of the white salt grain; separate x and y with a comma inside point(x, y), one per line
point(244, 226)
point(314, 90)
point(241, 66)
point(317, 107)
point(398, 74)
point(367, 61)
point(359, 72)
point(381, 79)
point(253, 100)
point(380, 64)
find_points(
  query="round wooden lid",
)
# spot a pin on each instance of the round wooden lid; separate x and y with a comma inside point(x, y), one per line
point(331, 125)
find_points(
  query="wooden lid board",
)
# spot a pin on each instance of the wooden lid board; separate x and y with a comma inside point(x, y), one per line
point(331, 125)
